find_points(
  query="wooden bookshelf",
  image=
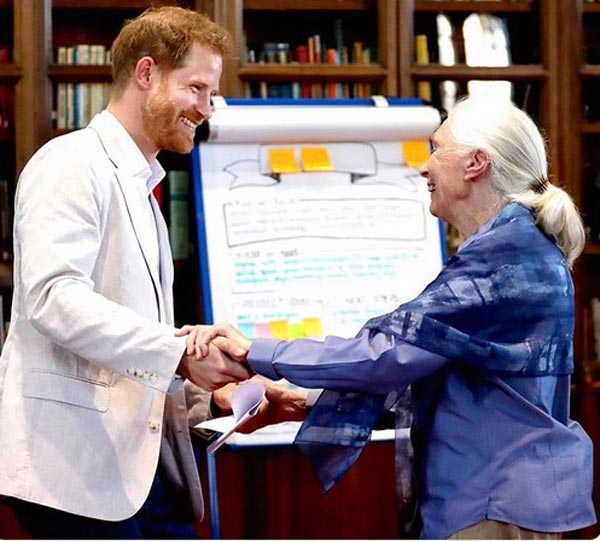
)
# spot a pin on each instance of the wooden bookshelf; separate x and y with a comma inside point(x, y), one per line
point(462, 72)
point(592, 250)
point(110, 4)
point(470, 6)
point(534, 67)
point(74, 73)
point(9, 73)
point(310, 72)
point(256, 22)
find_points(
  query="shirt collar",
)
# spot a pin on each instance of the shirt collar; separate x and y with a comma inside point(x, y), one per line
point(130, 157)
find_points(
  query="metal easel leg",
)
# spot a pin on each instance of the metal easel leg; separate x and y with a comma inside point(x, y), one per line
point(213, 496)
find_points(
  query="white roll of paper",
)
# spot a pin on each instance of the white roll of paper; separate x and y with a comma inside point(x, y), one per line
point(303, 124)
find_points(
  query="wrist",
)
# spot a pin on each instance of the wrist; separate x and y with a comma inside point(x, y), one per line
point(220, 403)
point(295, 405)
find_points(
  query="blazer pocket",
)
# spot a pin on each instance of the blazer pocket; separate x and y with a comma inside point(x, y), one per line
point(66, 388)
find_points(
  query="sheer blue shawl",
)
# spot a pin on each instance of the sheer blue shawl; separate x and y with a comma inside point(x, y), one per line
point(504, 303)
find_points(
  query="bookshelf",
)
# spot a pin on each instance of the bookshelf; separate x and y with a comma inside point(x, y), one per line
point(347, 27)
point(581, 162)
point(534, 54)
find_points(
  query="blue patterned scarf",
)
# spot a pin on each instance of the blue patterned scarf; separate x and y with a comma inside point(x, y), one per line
point(504, 303)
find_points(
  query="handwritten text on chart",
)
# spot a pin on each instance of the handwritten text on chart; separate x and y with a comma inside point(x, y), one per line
point(320, 268)
point(250, 222)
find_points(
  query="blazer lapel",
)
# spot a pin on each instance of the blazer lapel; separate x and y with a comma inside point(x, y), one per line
point(136, 209)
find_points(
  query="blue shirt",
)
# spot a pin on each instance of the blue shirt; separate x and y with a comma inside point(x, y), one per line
point(486, 446)
point(487, 351)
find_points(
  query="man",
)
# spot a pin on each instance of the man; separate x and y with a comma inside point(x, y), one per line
point(94, 410)
point(487, 349)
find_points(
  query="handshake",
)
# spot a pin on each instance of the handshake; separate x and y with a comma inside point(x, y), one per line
point(215, 360)
point(215, 355)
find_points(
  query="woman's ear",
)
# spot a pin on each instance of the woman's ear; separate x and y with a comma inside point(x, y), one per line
point(478, 163)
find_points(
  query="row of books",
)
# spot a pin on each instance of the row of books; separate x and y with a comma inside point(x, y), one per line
point(306, 89)
point(314, 52)
point(77, 103)
point(482, 41)
point(83, 54)
point(6, 94)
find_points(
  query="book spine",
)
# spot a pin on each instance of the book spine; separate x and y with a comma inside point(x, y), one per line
point(422, 58)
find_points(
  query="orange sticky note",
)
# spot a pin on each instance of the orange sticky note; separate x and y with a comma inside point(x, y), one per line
point(312, 327)
point(282, 160)
point(315, 159)
point(415, 152)
point(279, 329)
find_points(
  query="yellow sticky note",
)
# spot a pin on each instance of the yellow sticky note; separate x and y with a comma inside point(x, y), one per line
point(282, 160)
point(312, 326)
point(315, 159)
point(279, 329)
point(296, 330)
point(415, 152)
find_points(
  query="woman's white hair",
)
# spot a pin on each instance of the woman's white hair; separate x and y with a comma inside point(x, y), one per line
point(519, 166)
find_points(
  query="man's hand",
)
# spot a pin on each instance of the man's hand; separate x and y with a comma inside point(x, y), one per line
point(212, 371)
point(222, 335)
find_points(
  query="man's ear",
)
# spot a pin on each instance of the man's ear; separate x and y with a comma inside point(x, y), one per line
point(477, 164)
point(144, 70)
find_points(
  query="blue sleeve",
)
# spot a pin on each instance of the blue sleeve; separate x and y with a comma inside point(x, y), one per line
point(371, 363)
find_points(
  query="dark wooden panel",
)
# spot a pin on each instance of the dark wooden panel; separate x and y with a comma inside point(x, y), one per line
point(272, 493)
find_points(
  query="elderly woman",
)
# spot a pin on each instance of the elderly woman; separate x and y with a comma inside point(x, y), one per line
point(486, 348)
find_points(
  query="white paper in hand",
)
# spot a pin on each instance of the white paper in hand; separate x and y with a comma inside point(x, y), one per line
point(245, 401)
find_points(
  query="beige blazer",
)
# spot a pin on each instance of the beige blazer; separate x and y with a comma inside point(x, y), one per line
point(86, 373)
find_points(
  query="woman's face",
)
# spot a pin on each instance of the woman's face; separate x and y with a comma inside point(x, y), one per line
point(445, 174)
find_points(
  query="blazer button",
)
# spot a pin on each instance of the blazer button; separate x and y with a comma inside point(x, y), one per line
point(154, 426)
